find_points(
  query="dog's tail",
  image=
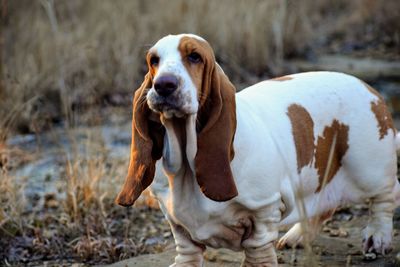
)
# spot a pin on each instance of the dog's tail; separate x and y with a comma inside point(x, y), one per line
point(397, 141)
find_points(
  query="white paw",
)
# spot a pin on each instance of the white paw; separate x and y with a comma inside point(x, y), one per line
point(293, 238)
point(378, 241)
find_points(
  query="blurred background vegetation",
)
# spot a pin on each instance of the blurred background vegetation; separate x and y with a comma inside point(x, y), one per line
point(59, 58)
point(67, 73)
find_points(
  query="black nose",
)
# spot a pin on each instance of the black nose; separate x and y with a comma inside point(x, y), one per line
point(166, 85)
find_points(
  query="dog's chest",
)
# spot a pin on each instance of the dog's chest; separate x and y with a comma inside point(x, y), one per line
point(208, 222)
point(226, 227)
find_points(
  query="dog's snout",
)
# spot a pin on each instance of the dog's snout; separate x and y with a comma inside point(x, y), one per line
point(166, 85)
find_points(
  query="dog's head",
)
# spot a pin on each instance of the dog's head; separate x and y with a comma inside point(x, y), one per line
point(183, 79)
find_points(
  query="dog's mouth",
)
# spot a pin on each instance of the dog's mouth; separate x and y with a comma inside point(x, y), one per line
point(168, 109)
point(174, 105)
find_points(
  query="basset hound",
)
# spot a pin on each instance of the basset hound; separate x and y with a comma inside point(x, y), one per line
point(232, 167)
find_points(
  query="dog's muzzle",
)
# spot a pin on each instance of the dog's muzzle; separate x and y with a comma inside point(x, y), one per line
point(166, 96)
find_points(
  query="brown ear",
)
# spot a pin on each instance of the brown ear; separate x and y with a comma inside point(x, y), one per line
point(215, 138)
point(146, 147)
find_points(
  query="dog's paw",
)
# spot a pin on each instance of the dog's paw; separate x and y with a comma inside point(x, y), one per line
point(376, 241)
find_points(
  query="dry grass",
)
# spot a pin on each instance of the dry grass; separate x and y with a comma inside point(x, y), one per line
point(74, 54)
point(79, 221)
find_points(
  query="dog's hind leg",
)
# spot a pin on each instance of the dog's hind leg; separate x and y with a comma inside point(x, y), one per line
point(377, 235)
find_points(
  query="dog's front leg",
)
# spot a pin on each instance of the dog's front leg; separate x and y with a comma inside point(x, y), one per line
point(190, 253)
point(259, 248)
point(262, 256)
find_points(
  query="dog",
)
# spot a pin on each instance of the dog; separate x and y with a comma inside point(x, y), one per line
point(232, 167)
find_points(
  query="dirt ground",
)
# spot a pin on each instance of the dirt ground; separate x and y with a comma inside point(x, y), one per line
point(338, 244)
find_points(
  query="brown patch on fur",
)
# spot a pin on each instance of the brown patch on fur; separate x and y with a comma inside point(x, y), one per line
point(189, 45)
point(383, 117)
point(282, 78)
point(303, 134)
point(323, 149)
point(382, 114)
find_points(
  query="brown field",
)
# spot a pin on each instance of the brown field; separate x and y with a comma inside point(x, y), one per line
point(68, 69)
point(62, 56)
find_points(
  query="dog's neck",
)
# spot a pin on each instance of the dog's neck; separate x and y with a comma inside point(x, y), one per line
point(180, 146)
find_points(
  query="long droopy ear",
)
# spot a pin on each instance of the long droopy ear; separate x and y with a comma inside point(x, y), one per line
point(215, 151)
point(146, 147)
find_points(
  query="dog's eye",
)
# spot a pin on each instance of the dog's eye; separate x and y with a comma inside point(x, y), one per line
point(154, 60)
point(194, 57)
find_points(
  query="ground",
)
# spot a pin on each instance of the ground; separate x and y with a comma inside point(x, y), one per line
point(338, 244)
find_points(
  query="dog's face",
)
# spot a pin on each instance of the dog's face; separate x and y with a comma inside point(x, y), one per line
point(177, 65)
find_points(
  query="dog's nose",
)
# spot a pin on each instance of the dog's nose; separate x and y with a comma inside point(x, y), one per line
point(166, 85)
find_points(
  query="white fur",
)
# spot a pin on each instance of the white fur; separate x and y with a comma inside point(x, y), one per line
point(265, 166)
